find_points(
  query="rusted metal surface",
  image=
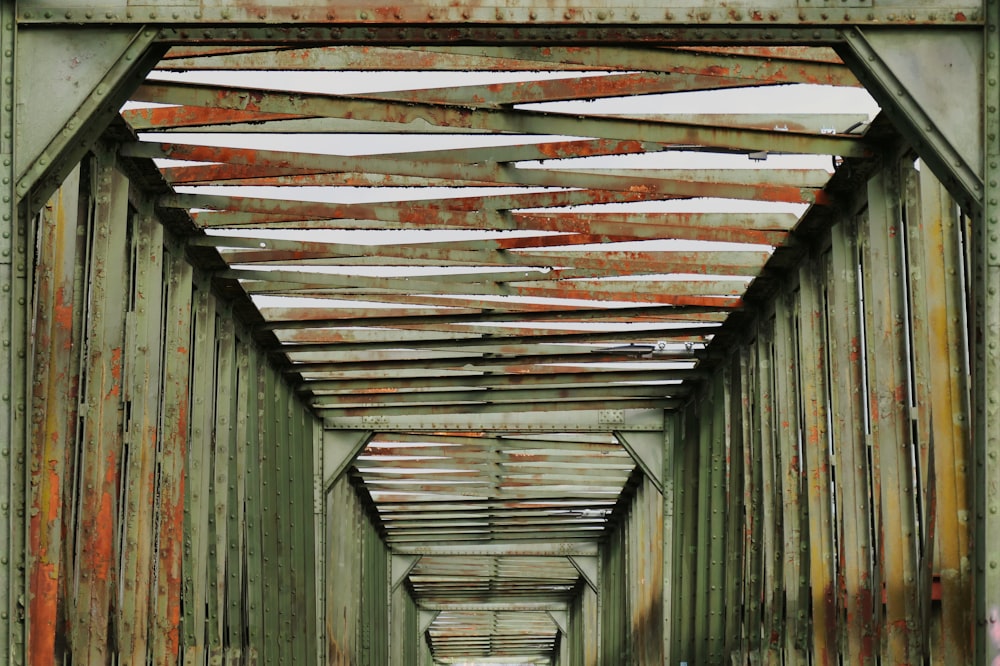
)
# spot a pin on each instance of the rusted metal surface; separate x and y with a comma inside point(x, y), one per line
point(733, 16)
point(54, 425)
point(816, 447)
point(495, 288)
point(889, 394)
point(939, 350)
point(848, 429)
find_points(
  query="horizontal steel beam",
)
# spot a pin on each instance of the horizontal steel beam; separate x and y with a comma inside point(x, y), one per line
point(440, 20)
point(496, 606)
point(501, 549)
point(583, 377)
point(608, 420)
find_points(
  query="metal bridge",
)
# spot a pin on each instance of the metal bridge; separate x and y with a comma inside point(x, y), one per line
point(501, 332)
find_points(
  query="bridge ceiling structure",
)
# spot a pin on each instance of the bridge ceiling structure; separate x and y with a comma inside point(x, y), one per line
point(494, 246)
point(548, 237)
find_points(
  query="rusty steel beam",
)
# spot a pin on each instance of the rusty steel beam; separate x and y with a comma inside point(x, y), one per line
point(735, 17)
point(315, 317)
point(448, 58)
point(54, 409)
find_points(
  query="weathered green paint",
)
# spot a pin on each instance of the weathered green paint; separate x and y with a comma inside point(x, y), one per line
point(986, 360)
point(144, 353)
point(800, 362)
point(847, 403)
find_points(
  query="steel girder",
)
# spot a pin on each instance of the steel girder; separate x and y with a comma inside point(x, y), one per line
point(124, 40)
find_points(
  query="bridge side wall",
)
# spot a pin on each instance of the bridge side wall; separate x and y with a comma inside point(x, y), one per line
point(631, 582)
point(163, 520)
point(357, 588)
point(822, 505)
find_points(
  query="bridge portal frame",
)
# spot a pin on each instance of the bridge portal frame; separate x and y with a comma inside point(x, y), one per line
point(958, 42)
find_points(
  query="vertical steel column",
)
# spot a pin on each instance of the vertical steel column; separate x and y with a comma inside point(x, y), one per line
point(890, 426)
point(757, 510)
point(735, 525)
point(143, 356)
point(270, 517)
point(13, 369)
point(772, 512)
point(987, 363)
point(702, 553)
point(716, 552)
point(684, 582)
point(173, 452)
point(941, 369)
point(848, 402)
point(237, 594)
point(816, 451)
point(789, 441)
point(671, 441)
point(303, 529)
point(222, 558)
point(101, 410)
point(319, 545)
point(288, 594)
point(252, 412)
point(54, 414)
point(197, 500)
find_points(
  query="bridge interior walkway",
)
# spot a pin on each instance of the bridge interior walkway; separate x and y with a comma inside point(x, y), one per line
point(353, 345)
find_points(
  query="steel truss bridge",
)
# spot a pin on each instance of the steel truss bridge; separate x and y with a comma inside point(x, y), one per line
point(500, 332)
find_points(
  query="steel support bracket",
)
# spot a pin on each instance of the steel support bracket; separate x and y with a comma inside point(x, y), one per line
point(402, 565)
point(340, 448)
point(561, 620)
point(427, 618)
point(71, 83)
point(646, 448)
point(587, 565)
point(927, 81)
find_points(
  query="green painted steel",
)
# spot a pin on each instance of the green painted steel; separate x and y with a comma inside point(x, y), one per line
point(828, 482)
point(630, 585)
point(167, 511)
point(357, 582)
point(582, 639)
point(405, 640)
point(986, 361)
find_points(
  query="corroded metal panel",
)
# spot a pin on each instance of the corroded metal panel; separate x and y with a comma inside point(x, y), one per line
point(497, 349)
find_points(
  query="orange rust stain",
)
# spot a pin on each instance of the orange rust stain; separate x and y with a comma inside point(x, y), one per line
point(716, 70)
point(44, 592)
point(63, 310)
point(116, 371)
